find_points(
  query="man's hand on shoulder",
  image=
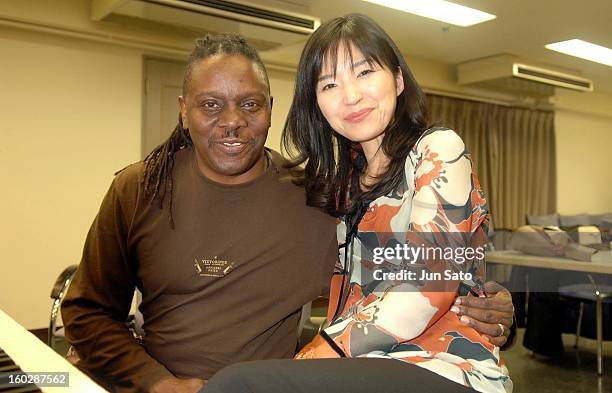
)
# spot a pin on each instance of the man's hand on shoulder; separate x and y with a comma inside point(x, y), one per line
point(491, 316)
point(178, 385)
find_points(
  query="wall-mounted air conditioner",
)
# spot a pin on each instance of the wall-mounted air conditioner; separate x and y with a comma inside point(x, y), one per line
point(270, 27)
point(506, 73)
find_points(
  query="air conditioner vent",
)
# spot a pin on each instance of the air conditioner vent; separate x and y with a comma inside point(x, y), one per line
point(252, 11)
point(522, 70)
point(505, 73)
point(268, 26)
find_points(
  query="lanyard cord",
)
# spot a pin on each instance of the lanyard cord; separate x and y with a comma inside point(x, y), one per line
point(348, 266)
point(351, 222)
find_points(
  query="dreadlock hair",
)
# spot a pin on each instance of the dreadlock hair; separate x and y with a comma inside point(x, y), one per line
point(158, 163)
point(333, 162)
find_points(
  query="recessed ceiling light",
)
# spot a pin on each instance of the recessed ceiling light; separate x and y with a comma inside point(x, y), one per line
point(441, 10)
point(584, 50)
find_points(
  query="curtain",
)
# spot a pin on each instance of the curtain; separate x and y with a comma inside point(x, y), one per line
point(514, 152)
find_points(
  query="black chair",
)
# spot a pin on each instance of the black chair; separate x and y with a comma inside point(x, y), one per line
point(57, 294)
point(599, 294)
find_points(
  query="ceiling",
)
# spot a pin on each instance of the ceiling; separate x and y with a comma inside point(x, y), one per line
point(522, 28)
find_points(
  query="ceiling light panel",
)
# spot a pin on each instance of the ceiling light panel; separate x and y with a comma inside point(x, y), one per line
point(440, 10)
point(584, 50)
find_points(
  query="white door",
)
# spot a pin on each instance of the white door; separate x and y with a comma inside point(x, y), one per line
point(163, 84)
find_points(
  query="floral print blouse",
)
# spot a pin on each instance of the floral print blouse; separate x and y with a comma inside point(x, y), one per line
point(395, 319)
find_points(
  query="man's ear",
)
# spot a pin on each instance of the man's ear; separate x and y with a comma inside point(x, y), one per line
point(183, 109)
point(399, 81)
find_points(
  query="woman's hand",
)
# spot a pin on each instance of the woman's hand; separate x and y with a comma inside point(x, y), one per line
point(486, 314)
point(316, 349)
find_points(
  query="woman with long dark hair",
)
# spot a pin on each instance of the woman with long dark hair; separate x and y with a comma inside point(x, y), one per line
point(399, 189)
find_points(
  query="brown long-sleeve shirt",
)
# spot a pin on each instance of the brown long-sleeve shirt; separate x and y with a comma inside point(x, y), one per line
point(226, 285)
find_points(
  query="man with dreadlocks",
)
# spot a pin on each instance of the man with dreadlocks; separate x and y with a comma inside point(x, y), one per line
point(210, 229)
point(213, 232)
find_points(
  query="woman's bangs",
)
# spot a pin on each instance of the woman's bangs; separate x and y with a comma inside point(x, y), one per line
point(331, 55)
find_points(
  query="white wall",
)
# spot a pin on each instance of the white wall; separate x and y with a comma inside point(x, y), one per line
point(583, 126)
point(71, 115)
point(584, 163)
point(281, 85)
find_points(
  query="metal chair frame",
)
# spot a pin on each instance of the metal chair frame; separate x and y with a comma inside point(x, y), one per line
point(600, 297)
point(57, 294)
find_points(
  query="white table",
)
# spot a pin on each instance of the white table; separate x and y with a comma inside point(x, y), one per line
point(517, 258)
point(32, 355)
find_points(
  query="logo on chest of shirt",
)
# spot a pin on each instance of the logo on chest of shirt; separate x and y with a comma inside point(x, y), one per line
point(214, 267)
